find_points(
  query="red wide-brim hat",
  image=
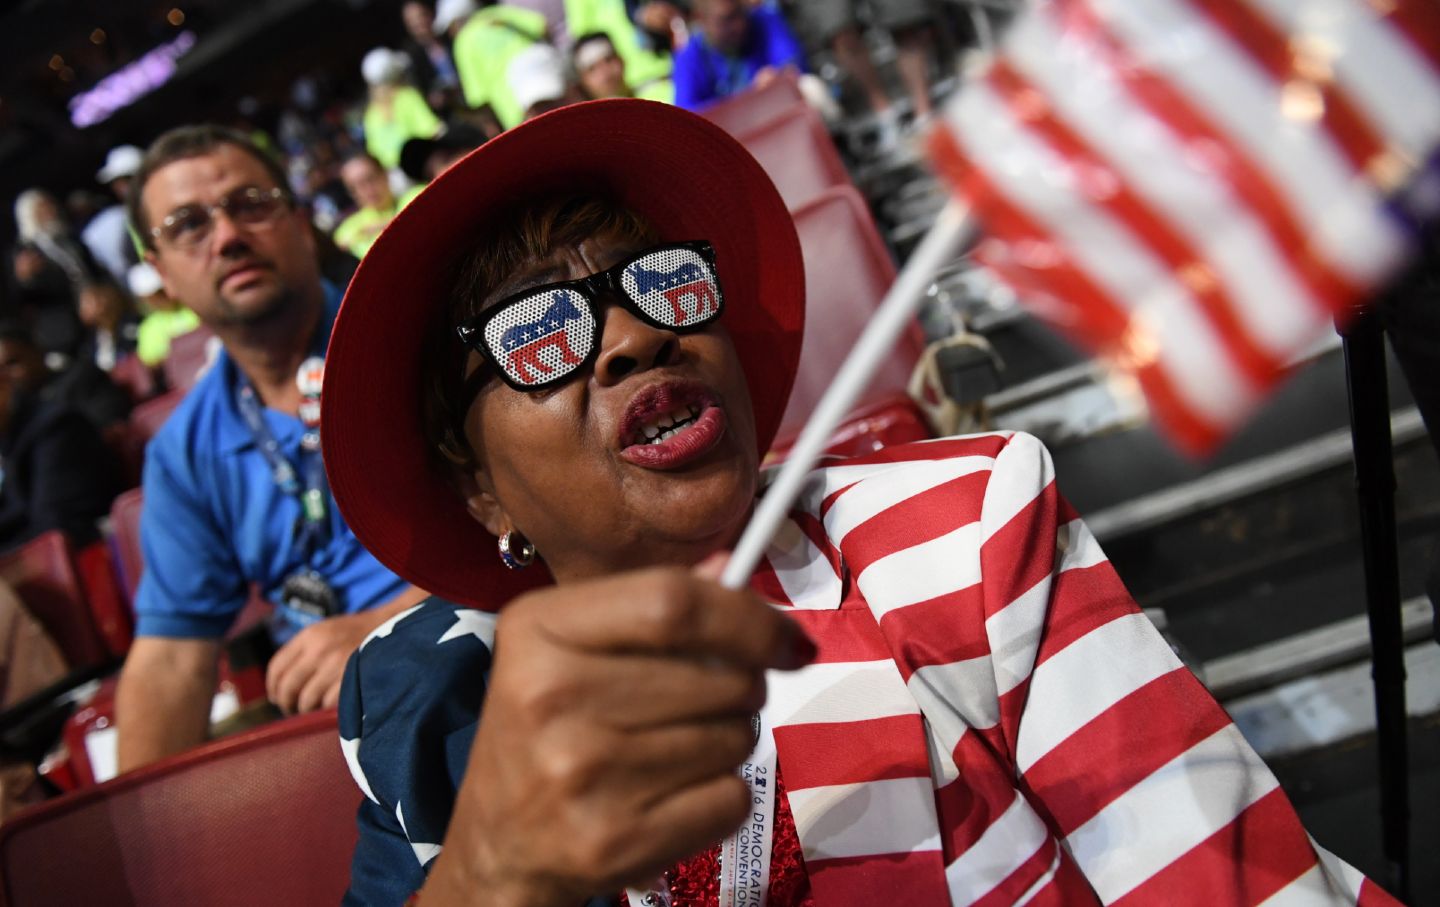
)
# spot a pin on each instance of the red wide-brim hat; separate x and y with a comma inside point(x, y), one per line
point(685, 175)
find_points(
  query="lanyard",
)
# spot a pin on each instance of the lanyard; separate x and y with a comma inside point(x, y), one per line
point(313, 494)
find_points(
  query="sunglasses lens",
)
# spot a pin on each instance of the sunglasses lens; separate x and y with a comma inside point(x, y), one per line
point(675, 287)
point(539, 339)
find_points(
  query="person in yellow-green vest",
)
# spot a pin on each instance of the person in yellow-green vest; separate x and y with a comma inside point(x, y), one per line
point(396, 112)
point(600, 73)
point(647, 68)
point(368, 185)
point(485, 45)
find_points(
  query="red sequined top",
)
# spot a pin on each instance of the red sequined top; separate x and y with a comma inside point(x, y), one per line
point(696, 882)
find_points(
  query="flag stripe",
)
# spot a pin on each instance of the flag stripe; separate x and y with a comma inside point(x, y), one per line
point(1122, 746)
point(1145, 225)
point(850, 820)
point(1169, 106)
point(1275, 307)
point(1287, 62)
point(828, 754)
point(1199, 793)
point(1348, 225)
point(1008, 843)
point(1420, 22)
point(1103, 324)
point(906, 878)
point(1276, 853)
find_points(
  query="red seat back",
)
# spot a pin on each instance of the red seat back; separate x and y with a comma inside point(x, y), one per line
point(146, 419)
point(106, 598)
point(754, 107)
point(264, 817)
point(847, 271)
point(879, 422)
point(186, 358)
point(43, 573)
point(799, 155)
point(125, 538)
point(137, 378)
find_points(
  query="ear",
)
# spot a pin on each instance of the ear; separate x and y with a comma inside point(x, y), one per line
point(482, 505)
point(153, 260)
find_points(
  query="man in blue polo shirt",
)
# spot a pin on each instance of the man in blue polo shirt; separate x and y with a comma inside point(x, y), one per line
point(732, 48)
point(235, 492)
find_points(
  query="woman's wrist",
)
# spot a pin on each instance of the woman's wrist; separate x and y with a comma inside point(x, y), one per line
point(453, 884)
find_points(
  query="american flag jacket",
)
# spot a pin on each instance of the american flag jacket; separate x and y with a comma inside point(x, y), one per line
point(990, 719)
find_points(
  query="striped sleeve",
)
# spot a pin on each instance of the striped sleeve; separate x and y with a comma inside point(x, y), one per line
point(1120, 750)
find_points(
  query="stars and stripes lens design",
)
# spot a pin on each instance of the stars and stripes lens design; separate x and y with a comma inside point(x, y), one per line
point(542, 336)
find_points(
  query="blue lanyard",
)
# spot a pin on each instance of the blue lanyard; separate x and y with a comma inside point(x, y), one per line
point(313, 495)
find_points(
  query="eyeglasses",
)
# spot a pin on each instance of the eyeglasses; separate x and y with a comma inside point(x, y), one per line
point(189, 226)
point(542, 336)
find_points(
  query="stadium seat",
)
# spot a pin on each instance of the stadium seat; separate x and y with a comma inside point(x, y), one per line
point(879, 422)
point(146, 419)
point(137, 378)
point(106, 597)
point(847, 271)
point(263, 817)
point(43, 573)
point(798, 153)
point(187, 358)
point(750, 109)
point(125, 539)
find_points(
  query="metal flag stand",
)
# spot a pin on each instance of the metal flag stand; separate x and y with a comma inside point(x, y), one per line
point(1363, 339)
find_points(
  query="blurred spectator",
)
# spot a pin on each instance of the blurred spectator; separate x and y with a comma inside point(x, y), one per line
point(164, 318)
point(106, 235)
point(600, 73)
point(485, 45)
point(648, 62)
point(367, 184)
point(112, 327)
point(29, 662)
point(430, 62)
point(731, 49)
point(423, 159)
point(234, 487)
point(450, 17)
point(908, 22)
point(396, 111)
point(82, 385)
point(57, 473)
point(537, 80)
point(48, 267)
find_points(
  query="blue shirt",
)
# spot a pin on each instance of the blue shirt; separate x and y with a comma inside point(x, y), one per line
point(215, 521)
point(704, 74)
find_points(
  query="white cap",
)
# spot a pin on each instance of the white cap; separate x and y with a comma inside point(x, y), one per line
point(448, 12)
point(536, 74)
point(383, 66)
point(143, 280)
point(123, 160)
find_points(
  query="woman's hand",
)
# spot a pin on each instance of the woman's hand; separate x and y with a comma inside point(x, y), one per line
point(617, 713)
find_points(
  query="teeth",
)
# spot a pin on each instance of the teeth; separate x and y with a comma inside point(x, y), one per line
point(670, 424)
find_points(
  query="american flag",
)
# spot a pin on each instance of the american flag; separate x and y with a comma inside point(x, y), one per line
point(1195, 189)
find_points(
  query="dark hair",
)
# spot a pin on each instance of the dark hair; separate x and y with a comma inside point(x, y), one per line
point(361, 154)
point(185, 142)
point(13, 330)
point(526, 233)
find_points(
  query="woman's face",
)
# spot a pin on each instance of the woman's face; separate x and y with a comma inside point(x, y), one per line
point(569, 467)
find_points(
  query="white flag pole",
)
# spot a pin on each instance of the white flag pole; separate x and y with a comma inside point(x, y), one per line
point(938, 247)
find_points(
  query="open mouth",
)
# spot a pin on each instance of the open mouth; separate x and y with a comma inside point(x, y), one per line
point(665, 426)
point(669, 425)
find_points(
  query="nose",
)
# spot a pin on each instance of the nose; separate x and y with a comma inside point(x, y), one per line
point(226, 236)
point(629, 346)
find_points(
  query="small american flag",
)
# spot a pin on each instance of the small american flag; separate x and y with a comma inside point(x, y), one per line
point(1195, 189)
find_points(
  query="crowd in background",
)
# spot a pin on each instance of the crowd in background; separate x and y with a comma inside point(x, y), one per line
point(85, 323)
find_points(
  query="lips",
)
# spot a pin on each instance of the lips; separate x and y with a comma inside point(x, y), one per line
point(669, 425)
point(245, 271)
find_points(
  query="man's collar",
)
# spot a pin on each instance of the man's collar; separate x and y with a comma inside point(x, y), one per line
point(234, 432)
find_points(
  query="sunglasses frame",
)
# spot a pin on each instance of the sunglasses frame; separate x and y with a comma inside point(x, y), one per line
point(590, 288)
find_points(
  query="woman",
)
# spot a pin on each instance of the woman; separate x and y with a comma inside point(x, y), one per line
point(963, 700)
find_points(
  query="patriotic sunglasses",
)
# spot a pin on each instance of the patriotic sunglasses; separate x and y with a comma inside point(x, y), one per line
point(542, 336)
